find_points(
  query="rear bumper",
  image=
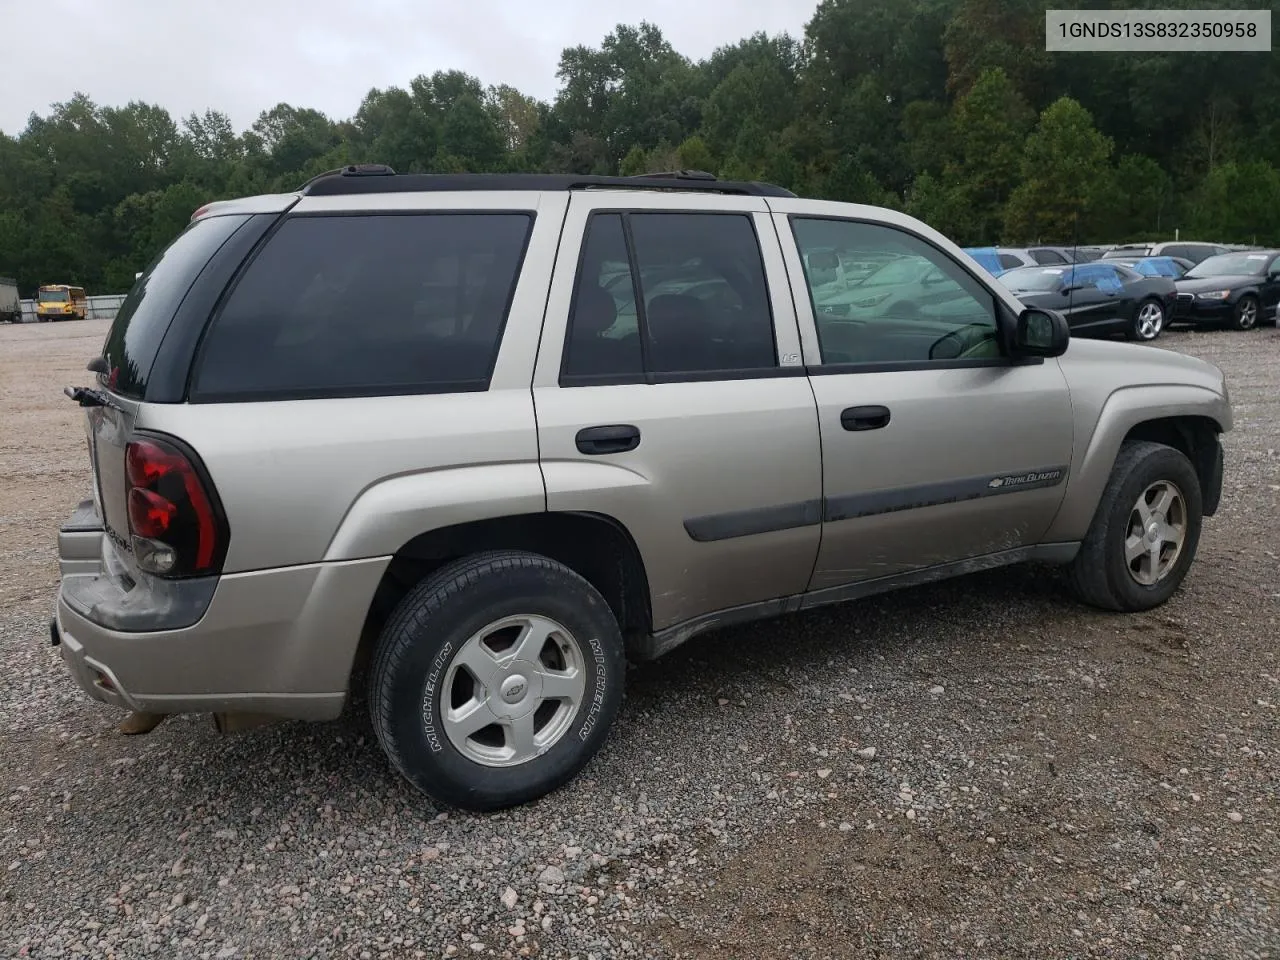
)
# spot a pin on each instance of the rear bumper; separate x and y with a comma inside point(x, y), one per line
point(278, 642)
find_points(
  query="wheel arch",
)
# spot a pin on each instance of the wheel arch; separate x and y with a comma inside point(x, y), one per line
point(1188, 418)
point(596, 546)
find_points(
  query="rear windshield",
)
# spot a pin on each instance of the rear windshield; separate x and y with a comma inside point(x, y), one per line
point(1230, 264)
point(53, 296)
point(1033, 278)
point(144, 316)
point(367, 305)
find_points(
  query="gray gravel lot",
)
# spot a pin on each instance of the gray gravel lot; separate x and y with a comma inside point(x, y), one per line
point(978, 768)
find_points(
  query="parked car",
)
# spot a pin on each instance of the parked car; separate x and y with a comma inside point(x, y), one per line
point(1188, 250)
point(909, 287)
point(1238, 290)
point(1171, 267)
point(10, 302)
point(1102, 297)
point(499, 495)
point(989, 259)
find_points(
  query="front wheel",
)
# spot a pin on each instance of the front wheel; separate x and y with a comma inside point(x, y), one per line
point(1144, 535)
point(1245, 315)
point(496, 680)
point(1148, 321)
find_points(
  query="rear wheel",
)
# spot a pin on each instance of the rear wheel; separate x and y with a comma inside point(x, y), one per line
point(1245, 315)
point(1148, 321)
point(1144, 535)
point(496, 680)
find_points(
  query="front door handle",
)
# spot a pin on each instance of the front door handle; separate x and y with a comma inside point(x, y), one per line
point(616, 438)
point(864, 418)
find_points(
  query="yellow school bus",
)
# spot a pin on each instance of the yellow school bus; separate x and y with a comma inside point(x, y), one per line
point(58, 301)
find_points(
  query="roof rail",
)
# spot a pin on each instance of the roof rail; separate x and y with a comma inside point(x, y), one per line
point(376, 178)
point(680, 175)
point(352, 170)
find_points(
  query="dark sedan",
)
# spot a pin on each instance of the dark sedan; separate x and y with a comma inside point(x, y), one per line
point(1099, 297)
point(1238, 290)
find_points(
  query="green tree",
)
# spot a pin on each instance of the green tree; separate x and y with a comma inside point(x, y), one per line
point(989, 131)
point(1237, 202)
point(1064, 163)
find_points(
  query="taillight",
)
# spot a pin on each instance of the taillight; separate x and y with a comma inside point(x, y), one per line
point(175, 524)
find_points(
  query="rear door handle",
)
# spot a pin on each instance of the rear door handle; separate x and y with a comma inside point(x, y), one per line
point(615, 438)
point(864, 418)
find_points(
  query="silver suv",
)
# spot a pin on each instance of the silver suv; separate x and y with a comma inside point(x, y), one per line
point(501, 433)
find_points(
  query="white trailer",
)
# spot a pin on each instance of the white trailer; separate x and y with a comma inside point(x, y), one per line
point(10, 305)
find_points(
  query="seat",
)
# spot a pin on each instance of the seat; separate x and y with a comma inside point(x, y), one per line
point(590, 352)
point(681, 337)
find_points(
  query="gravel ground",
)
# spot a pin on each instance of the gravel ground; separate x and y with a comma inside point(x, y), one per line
point(978, 768)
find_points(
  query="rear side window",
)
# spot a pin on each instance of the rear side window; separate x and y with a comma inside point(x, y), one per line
point(367, 305)
point(1047, 257)
point(1009, 261)
point(667, 296)
point(144, 317)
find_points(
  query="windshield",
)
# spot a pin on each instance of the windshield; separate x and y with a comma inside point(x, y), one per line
point(1033, 278)
point(1230, 265)
point(53, 296)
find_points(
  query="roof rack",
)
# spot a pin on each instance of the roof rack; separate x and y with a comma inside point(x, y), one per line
point(351, 170)
point(379, 178)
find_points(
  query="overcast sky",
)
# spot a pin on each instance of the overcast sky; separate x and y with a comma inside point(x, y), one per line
point(245, 56)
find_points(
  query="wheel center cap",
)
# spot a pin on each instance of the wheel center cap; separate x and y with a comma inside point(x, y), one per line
point(514, 688)
point(1153, 532)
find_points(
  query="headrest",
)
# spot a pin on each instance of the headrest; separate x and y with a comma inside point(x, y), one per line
point(594, 312)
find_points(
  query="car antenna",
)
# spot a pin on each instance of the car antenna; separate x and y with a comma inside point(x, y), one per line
point(1075, 253)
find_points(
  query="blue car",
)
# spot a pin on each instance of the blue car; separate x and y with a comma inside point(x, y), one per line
point(987, 258)
point(1171, 267)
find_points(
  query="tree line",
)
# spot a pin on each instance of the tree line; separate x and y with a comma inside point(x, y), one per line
point(948, 109)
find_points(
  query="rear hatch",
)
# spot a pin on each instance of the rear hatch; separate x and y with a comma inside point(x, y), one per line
point(127, 366)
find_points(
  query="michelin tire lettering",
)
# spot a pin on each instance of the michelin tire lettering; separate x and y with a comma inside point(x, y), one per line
point(597, 698)
point(428, 697)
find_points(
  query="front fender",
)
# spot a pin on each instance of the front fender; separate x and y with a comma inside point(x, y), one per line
point(1095, 455)
point(393, 511)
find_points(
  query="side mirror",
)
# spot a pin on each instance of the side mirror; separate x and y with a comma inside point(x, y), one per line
point(1040, 333)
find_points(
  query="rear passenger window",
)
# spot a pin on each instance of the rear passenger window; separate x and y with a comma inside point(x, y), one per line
point(1010, 262)
point(367, 305)
point(663, 295)
point(1047, 257)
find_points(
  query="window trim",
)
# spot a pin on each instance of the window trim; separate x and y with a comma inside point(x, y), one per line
point(471, 385)
point(647, 376)
point(1004, 322)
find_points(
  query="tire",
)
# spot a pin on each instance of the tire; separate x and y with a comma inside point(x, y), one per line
point(421, 671)
point(1101, 574)
point(1148, 322)
point(1245, 315)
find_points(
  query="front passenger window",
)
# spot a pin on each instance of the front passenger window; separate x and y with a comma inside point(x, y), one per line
point(913, 303)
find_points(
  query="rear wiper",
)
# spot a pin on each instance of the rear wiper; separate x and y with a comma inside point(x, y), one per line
point(87, 396)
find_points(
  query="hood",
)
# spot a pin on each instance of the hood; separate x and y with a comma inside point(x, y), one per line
point(1196, 284)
